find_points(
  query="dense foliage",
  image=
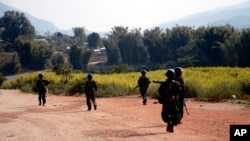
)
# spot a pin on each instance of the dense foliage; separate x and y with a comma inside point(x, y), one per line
point(180, 46)
point(15, 24)
point(33, 52)
point(151, 49)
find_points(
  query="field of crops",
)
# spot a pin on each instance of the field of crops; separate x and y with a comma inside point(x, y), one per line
point(206, 83)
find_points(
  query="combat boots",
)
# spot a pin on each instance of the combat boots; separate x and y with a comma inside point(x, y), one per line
point(170, 128)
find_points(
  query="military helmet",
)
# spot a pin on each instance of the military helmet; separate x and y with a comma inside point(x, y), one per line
point(40, 75)
point(89, 76)
point(143, 72)
point(178, 70)
point(170, 73)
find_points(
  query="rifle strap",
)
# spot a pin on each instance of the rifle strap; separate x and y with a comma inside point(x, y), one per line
point(167, 91)
point(42, 83)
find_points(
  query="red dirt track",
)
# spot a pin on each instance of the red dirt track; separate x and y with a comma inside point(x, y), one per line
point(66, 118)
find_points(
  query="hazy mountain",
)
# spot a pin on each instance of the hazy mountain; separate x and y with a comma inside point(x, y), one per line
point(237, 16)
point(41, 26)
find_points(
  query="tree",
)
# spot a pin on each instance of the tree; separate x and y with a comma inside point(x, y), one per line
point(132, 48)
point(218, 46)
point(79, 57)
point(93, 40)
point(112, 44)
point(64, 70)
point(33, 55)
point(153, 40)
point(79, 32)
point(245, 48)
point(57, 59)
point(15, 24)
point(80, 35)
point(11, 67)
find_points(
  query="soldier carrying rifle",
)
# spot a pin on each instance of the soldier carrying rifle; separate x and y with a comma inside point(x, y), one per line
point(143, 83)
point(169, 92)
point(181, 103)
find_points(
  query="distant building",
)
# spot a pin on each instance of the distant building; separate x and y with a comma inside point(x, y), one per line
point(103, 51)
point(98, 56)
point(41, 40)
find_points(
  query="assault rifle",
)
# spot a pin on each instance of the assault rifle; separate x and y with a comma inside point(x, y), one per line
point(136, 86)
point(185, 106)
point(160, 82)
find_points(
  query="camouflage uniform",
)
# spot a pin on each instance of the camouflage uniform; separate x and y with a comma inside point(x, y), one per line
point(178, 77)
point(143, 83)
point(169, 92)
point(42, 89)
point(90, 87)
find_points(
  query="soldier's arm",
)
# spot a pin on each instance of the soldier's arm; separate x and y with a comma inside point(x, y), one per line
point(95, 86)
point(159, 82)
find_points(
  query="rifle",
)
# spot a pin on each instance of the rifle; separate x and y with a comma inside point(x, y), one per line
point(136, 87)
point(185, 106)
point(160, 82)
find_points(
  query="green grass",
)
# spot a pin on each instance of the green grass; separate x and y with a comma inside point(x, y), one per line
point(205, 83)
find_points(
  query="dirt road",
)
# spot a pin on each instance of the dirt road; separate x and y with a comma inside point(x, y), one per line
point(65, 118)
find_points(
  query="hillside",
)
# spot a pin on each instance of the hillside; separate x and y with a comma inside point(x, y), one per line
point(237, 16)
point(41, 26)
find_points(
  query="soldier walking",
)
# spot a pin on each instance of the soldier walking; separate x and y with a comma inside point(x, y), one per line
point(42, 89)
point(169, 91)
point(143, 83)
point(90, 88)
point(179, 78)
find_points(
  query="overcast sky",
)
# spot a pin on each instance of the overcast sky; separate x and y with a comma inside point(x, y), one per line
point(102, 15)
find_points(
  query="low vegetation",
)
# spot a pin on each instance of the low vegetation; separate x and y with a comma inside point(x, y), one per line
point(205, 83)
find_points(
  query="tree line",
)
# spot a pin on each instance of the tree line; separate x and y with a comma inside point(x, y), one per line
point(150, 49)
point(180, 46)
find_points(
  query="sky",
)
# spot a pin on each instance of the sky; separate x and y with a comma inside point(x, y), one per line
point(103, 15)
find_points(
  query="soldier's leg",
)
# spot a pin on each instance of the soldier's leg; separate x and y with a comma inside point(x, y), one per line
point(88, 101)
point(93, 100)
point(39, 97)
point(172, 119)
point(181, 105)
point(44, 98)
point(144, 96)
point(166, 117)
point(164, 114)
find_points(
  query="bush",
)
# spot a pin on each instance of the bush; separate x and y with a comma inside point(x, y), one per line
point(2, 79)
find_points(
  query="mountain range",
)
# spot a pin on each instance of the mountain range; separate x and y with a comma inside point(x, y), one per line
point(41, 26)
point(236, 15)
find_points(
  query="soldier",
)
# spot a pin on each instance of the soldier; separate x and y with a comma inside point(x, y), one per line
point(179, 78)
point(90, 87)
point(143, 83)
point(169, 92)
point(42, 89)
